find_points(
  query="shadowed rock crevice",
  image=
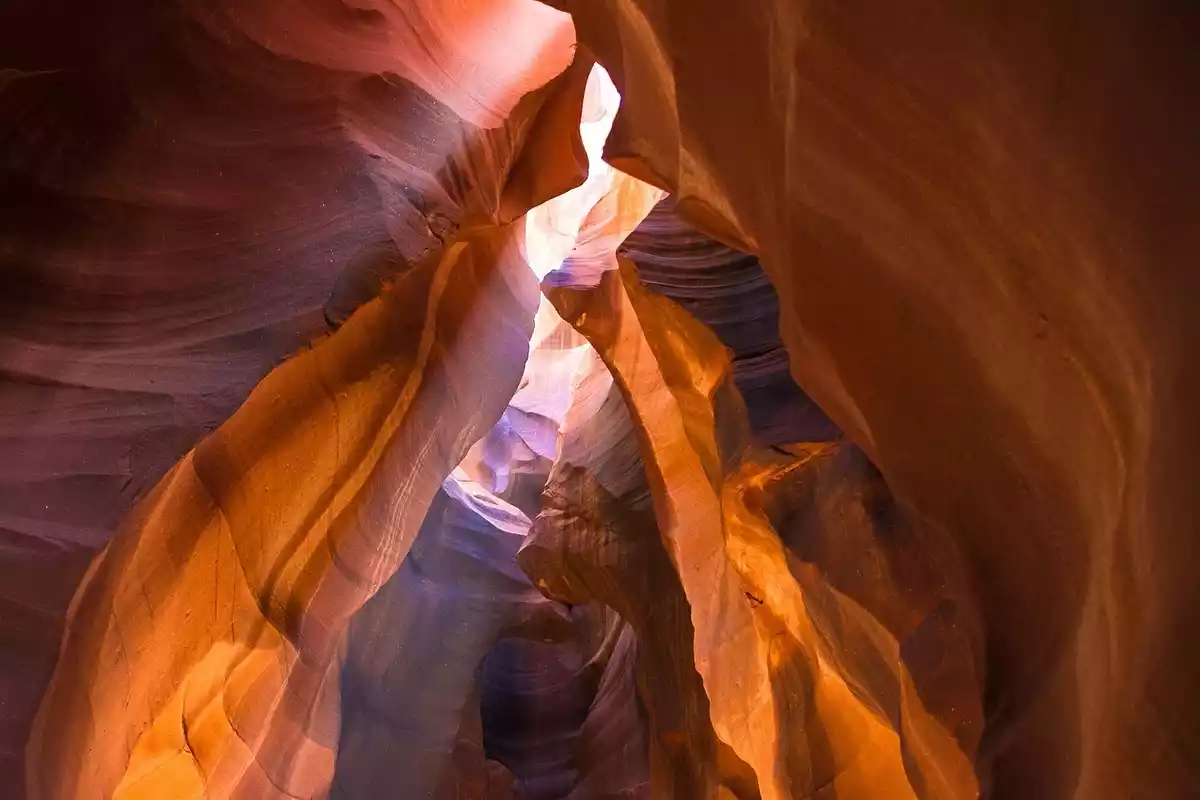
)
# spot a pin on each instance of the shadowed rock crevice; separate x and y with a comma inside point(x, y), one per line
point(727, 290)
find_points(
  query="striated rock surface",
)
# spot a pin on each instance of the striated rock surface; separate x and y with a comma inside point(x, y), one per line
point(727, 290)
point(977, 223)
point(811, 698)
point(187, 193)
point(596, 540)
point(413, 653)
point(196, 675)
point(963, 231)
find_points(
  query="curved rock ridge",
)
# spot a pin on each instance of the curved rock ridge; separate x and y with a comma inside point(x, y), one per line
point(460, 52)
point(563, 716)
point(431, 533)
point(596, 540)
point(886, 598)
point(411, 723)
point(205, 642)
point(808, 693)
point(183, 189)
point(313, 492)
point(977, 223)
point(458, 664)
point(727, 290)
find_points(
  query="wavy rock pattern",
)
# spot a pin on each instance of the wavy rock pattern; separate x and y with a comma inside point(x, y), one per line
point(414, 651)
point(313, 491)
point(596, 540)
point(963, 231)
point(802, 717)
point(975, 223)
point(202, 676)
point(459, 657)
point(180, 200)
point(728, 291)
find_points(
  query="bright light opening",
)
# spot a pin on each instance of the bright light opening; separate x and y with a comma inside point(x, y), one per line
point(552, 228)
point(585, 225)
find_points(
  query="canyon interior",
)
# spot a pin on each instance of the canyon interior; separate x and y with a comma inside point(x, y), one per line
point(599, 399)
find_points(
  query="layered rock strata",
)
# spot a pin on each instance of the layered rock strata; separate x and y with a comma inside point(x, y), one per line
point(977, 223)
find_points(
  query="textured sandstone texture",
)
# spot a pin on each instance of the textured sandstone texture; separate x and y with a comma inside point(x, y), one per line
point(189, 197)
point(802, 717)
point(428, 533)
point(196, 674)
point(978, 221)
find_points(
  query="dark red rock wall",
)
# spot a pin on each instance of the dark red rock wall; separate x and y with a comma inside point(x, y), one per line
point(978, 221)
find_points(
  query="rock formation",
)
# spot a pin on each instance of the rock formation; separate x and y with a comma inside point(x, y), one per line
point(373, 426)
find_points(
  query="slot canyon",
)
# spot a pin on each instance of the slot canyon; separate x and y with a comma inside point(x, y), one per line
point(599, 400)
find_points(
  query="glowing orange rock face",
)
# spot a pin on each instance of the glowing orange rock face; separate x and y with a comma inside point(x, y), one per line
point(315, 488)
point(980, 282)
point(805, 695)
point(214, 185)
point(205, 643)
point(1004, 333)
point(202, 652)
